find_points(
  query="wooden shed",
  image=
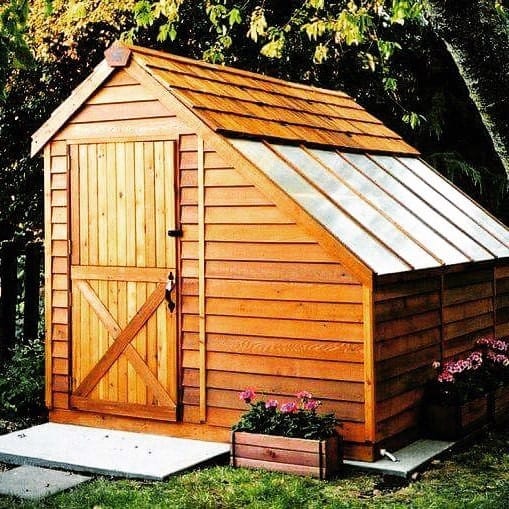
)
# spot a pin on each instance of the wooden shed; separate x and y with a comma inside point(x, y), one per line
point(310, 247)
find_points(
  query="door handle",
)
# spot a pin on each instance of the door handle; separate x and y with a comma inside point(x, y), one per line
point(170, 286)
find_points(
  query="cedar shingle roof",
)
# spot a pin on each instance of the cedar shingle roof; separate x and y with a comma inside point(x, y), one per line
point(232, 101)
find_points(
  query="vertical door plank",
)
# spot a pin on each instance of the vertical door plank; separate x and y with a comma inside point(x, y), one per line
point(81, 195)
point(111, 228)
point(75, 203)
point(163, 344)
point(130, 198)
point(141, 342)
point(122, 362)
point(93, 340)
point(113, 371)
point(151, 344)
point(169, 193)
point(160, 216)
point(103, 340)
point(150, 231)
point(93, 213)
point(140, 204)
point(102, 204)
point(131, 311)
point(121, 215)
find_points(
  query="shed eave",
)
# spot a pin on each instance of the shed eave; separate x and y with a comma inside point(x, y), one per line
point(64, 112)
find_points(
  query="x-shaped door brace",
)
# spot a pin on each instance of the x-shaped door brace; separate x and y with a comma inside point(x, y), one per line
point(122, 343)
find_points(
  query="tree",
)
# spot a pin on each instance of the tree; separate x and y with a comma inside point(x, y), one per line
point(482, 60)
point(385, 53)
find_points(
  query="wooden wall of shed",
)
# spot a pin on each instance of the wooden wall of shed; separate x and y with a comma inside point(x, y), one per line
point(427, 316)
point(407, 341)
point(281, 314)
point(467, 308)
point(57, 276)
point(502, 300)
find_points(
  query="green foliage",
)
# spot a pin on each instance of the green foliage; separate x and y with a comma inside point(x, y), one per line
point(22, 380)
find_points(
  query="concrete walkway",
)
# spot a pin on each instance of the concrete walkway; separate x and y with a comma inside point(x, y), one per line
point(105, 451)
point(407, 460)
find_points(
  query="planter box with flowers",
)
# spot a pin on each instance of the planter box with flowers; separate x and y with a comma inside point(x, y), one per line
point(456, 402)
point(468, 393)
point(496, 365)
point(290, 438)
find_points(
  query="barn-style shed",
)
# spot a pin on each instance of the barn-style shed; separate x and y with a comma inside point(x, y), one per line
point(310, 247)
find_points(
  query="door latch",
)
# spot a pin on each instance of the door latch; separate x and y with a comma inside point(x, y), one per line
point(170, 286)
point(175, 233)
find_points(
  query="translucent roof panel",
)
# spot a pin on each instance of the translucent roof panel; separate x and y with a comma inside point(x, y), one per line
point(439, 199)
point(398, 211)
point(394, 213)
point(415, 199)
point(490, 224)
point(346, 229)
point(369, 217)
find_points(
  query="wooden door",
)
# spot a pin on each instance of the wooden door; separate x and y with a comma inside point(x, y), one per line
point(123, 334)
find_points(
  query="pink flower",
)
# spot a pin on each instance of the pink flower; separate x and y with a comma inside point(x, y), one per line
point(311, 405)
point(304, 395)
point(446, 376)
point(485, 341)
point(247, 395)
point(271, 403)
point(289, 408)
point(499, 345)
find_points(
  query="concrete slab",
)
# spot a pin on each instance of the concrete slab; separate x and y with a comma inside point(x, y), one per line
point(105, 451)
point(409, 459)
point(34, 483)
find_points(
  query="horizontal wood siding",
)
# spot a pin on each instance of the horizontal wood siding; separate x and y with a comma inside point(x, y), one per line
point(122, 109)
point(502, 300)
point(407, 341)
point(429, 316)
point(467, 309)
point(281, 314)
point(57, 275)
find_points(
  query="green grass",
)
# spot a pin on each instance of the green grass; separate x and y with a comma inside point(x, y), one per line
point(475, 477)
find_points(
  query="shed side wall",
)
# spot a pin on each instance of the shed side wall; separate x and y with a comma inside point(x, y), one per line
point(281, 314)
point(407, 341)
point(467, 308)
point(57, 267)
point(428, 316)
point(502, 300)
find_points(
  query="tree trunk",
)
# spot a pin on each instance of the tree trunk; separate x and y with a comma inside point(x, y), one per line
point(477, 39)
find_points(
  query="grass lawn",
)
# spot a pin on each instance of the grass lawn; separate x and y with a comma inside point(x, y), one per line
point(475, 477)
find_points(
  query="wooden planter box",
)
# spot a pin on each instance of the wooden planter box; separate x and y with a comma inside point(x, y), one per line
point(315, 458)
point(457, 421)
point(498, 404)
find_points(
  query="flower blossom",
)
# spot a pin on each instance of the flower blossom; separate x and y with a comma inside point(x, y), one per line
point(500, 345)
point(289, 408)
point(446, 376)
point(247, 395)
point(271, 403)
point(311, 405)
point(305, 395)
